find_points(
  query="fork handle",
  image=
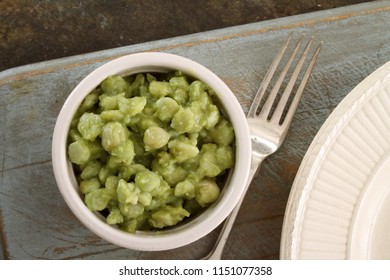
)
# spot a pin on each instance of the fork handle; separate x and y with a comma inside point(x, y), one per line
point(216, 252)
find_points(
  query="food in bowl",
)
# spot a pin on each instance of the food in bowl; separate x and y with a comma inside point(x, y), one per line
point(188, 230)
point(149, 149)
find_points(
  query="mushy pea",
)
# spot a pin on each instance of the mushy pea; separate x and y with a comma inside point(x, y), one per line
point(148, 149)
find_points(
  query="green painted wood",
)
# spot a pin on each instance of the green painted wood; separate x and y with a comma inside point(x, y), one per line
point(37, 224)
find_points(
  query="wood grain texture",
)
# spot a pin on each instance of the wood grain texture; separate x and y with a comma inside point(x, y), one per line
point(36, 30)
point(37, 224)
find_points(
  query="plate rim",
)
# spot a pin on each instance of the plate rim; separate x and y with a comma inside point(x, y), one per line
point(300, 190)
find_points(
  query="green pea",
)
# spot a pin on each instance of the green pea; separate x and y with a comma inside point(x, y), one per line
point(79, 152)
point(185, 189)
point(181, 96)
point(127, 192)
point(115, 217)
point(111, 116)
point(146, 180)
point(223, 133)
point(114, 134)
point(207, 192)
point(129, 210)
point(108, 102)
point(168, 216)
point(90, 101)
point(90, 126)
point(104, 173)
point(212, 116)
point(208, 164)
point(89, 185)
point(97, 200)
point(91, 170)
point(145, 198)
point(195, 89)
point(114, 85)
point(166, 108)
point(155, 138)
point(111, 185)
point(183, 121)
point(131, 106)
point(125, 152)
point(136, 85)
point(179, 82)
point(182, 149)
point(160, 89)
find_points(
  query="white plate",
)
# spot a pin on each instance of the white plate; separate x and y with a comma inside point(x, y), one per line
point(339, 205)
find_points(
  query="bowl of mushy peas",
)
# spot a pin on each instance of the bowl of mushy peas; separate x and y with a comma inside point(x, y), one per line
point(151, 151)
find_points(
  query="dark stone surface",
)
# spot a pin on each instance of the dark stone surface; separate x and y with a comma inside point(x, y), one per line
point(33, 31)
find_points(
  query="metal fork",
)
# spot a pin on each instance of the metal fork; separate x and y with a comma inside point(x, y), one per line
point(269, 122)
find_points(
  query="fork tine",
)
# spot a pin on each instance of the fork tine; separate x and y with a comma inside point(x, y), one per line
point(266, 109)
point(276, 118)
point(294, 104)
point(260, 93)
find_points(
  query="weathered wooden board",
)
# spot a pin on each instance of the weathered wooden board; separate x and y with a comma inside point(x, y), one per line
point(35, 222)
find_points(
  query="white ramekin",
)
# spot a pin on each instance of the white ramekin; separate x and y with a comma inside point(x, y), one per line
point(182, 234)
